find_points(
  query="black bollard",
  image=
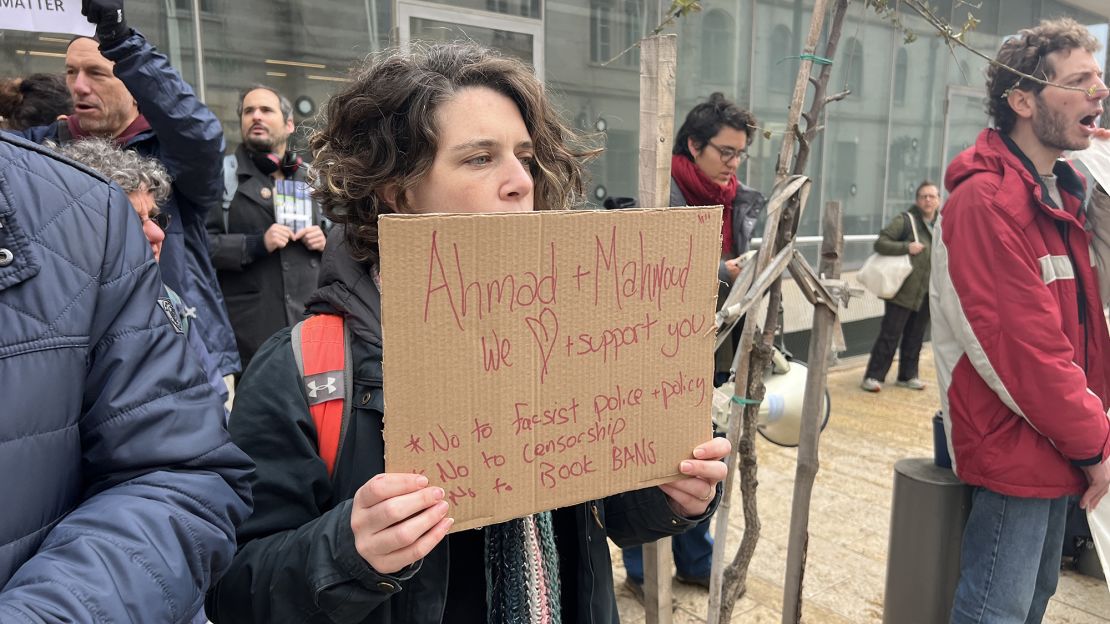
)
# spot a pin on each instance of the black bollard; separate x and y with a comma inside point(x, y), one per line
point(927, 518)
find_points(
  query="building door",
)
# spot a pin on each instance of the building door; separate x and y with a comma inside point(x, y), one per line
point(519, 37)
point(965, 116)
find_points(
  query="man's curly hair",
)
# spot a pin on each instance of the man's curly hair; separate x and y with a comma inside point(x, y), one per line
point(1027, 52)
point(380, 134)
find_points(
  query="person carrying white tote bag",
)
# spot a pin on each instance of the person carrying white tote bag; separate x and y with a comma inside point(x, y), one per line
point(905, 295)
point(884, 275)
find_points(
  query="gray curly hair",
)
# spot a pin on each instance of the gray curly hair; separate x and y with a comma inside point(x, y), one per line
point(124, 167)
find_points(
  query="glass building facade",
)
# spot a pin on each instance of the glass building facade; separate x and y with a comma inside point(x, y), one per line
point(912, 106)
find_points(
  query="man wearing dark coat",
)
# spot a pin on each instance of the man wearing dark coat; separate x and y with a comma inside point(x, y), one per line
point(266, 242)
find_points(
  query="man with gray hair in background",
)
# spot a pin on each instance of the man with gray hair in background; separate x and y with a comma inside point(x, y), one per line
point(267, 241)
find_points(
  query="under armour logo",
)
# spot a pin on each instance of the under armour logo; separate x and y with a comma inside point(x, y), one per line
point(189, 312)
point(313, 388)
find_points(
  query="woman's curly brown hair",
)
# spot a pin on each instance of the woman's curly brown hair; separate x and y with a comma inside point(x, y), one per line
point(1027, 52)
point(380, 133)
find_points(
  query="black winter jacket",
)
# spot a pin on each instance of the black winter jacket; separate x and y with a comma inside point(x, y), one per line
point(187, 138)
point(264, 291)
point(746, 208)
point(297, 561)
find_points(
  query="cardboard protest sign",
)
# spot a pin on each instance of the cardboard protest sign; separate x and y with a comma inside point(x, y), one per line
point(539, 360)
point(51, 16)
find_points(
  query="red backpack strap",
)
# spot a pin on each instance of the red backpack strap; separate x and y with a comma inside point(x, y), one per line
point(323, 354)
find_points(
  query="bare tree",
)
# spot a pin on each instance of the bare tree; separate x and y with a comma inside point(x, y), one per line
point(753, 356)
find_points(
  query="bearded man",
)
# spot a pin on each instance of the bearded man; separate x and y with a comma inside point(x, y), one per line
point(267, 241)
point(1019, 339)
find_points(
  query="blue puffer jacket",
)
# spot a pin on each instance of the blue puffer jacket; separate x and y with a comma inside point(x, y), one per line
point(188, 139)
point(121, 488)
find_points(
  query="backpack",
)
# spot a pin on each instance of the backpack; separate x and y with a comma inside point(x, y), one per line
point(322, 351)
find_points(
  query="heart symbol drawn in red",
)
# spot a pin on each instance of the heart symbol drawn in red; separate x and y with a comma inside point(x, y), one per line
point(545, 329)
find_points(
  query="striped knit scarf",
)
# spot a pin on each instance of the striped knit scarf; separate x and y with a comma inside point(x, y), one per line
point(522, 572)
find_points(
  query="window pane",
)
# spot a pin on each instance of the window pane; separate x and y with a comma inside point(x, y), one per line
point(24, 53)
point(601, 32)
point(855, 168)
point(301, 48)
point(633, 28)
point(917, 122)
point(901, 70)
point(778, 30)
point(779, 78)
point(717, 51)
point(518, 8)
point(513, 44)
point(602, 101)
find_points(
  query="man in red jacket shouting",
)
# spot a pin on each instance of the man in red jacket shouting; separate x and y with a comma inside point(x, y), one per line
point(1018, 333)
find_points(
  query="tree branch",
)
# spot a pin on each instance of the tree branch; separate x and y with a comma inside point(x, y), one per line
point(679, 8)
point(951, 37)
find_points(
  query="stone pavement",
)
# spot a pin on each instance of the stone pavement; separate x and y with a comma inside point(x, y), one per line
point(849, 516)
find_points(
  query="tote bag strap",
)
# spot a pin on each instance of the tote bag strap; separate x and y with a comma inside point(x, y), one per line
point(912, 226)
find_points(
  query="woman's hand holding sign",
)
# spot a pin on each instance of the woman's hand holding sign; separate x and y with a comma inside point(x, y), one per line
point(691, 495)
point(397, 519)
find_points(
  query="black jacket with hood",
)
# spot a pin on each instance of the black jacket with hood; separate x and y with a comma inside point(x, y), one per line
point(297, 560)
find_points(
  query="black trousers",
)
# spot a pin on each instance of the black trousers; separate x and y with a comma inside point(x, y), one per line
point(899, 325)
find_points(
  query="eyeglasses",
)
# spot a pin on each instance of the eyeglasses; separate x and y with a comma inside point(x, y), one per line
point(162, 220)
point(727, 153)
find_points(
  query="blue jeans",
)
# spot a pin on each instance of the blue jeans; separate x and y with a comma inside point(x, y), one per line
point(1010, 558)
point(693, 554)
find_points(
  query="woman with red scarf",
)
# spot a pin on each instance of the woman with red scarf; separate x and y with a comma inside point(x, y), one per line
point(711, 144)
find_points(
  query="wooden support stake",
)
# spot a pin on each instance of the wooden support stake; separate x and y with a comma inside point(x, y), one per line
point(832, 250)
point(828, 267)
point(658, 63)
point(824, 321)
point(727, 583)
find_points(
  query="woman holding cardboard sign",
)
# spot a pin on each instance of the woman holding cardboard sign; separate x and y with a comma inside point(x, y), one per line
point(334, 538)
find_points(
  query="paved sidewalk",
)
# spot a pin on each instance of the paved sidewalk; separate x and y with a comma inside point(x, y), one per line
point(849, 516)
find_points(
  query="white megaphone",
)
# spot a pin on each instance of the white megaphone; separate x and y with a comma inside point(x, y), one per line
point(780, 413)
